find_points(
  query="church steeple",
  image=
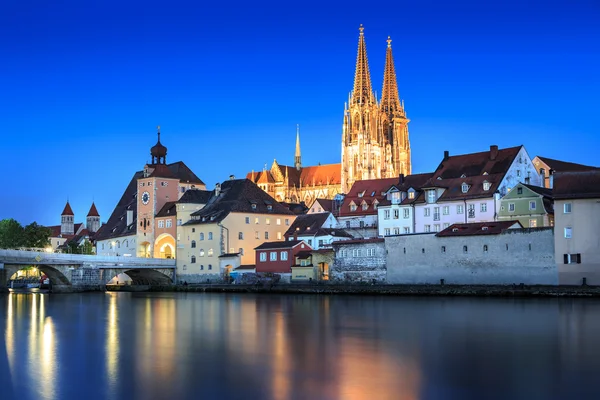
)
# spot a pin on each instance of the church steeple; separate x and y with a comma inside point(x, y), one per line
point(363, 92)
point(297, 157)
point(390, 100)
point(158, 152)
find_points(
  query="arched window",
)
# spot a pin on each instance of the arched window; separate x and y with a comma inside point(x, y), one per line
point(209, 235)
point(193, 244)
point(193, 261)
point(209, 266)
point(201, 236)
point(126, 243)
point(465, 250)
point(201, 252)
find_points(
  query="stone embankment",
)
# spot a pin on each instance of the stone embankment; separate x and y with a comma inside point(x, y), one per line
point(397, 290)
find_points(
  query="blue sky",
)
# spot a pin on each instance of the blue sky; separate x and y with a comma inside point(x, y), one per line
point(84, 85)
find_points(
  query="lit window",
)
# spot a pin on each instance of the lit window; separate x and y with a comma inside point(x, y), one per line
point(201, 252)
point(273, 256)
point(411, 195)
point(278, 221)
point(568, 233)
point(210, 252)
point(256, 220)
point(533, 223)
point(268, 221)
point(567, 208)
point(279, 236)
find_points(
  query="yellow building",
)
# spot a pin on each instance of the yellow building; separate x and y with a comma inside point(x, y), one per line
point(222, 235)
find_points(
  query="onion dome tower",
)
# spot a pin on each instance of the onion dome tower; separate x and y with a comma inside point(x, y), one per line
point(158, 152)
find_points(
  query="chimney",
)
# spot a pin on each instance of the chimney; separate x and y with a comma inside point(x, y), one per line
point(446, 154)
point(129, 217)
point(231, 177)
point(217, 189)
point(401, 179)
point(493, 152)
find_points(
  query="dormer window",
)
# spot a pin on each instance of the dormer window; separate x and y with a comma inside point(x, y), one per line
point(411, 194)
point(484, 228)
point(431, 196)
point(439, 178)
point(270, 207)
point(485, 173)
point(253, 207)
point(454, 229)
point(486, 185)
point(352, 207)
point(465, 188)
point(372, 194)
point(463, 176)
point(361, 194)
point(364, 206)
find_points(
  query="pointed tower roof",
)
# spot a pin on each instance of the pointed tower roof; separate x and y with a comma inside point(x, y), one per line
point(158, 151)
point(67, 210)
point(363, 92)
point(297, 156)
point(93, 211)
point(390, 100)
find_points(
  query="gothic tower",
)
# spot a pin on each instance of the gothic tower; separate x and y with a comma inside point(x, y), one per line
point(374, 136)
point(67, 223)
point(297, 157)
point(92, 221)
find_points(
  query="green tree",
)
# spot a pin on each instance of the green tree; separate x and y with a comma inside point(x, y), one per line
point(36, 235)
point(86, 248)
point(72, 248)
point(11, 234)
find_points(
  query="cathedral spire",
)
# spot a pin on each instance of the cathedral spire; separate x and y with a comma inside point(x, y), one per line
point(297, 157)
point(390, 101)
point(363, 92)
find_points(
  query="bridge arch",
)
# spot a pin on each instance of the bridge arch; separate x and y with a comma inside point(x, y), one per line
point(145, 276)
point(56, 275)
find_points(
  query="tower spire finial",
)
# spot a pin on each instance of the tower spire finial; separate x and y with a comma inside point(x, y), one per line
point(390, 100)
point(363, 92)
point(298, 157)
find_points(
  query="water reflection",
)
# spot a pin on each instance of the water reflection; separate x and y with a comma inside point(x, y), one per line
point(188, 346)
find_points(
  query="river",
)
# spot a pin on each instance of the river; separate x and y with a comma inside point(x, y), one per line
point(244, 346)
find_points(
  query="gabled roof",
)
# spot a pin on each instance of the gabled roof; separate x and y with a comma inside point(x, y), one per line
point(161, 171)
point(406, 183)
point(475, 184)
point(326, 204)
point(237, 195)
point(372, 189)
point(564, 166)
point(265, 177)
point(287, 244)
point(67, 210)
point(183, 173)
point(333, 232)
point(195, 196)
point(479, 228)
point(307, 224)
point(319, 175)
point(93, 211)
point(577, 185)
point(542, 191)
point(493, 161)
point(168, 210)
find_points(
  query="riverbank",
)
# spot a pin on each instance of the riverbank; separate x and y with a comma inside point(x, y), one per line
point(396, 290)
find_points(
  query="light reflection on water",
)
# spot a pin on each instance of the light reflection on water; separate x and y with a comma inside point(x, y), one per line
point(220, 346)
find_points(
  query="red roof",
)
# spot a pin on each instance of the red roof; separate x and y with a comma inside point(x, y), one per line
point(318, 175)
point(479, 228)
point(93, 211)
point(493, 161)
point(577, 185)
point(368, 191)
point(67, 210)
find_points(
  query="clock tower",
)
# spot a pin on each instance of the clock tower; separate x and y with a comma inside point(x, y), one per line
point(155, 188)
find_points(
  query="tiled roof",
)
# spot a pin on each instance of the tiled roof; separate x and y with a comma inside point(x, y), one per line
point(265, 177)
point(318, 175)
point(183, 173)
point(54, 230)
point(333, 232)
point(542, 191)
point(67, 210)
point(326, 204)
point(161, 171)
point(564, 166)
point(168, 210)
point(373, 189)
point(237, 195)
point(479, 228)
point(93, 211)
point(475, 184)
point(195, 196)
point(280, 245)
point(493, 161)
point(577, 185)
point(357, 241)
point(295, 208)
point(405, 183)
point(307, 224)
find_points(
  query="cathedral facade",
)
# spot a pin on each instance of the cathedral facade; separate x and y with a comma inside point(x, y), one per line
point(375, 142)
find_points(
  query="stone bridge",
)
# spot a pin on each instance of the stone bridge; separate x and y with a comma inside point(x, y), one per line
point(74, 272)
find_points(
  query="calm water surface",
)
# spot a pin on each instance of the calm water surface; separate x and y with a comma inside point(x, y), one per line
point(226, 346)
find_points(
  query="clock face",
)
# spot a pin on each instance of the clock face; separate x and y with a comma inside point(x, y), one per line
point(145, 197)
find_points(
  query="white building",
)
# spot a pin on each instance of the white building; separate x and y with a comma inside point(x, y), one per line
point(317, 229)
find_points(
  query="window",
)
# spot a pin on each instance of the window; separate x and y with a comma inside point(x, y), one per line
point(406, 213)
point(568, 233)
point(436, 227)
point(365, 206)
point(320, 242)
point(343, 253)
point(241, 251)
point(519, 190)
point(210, 252)
point(446, 210)
point(443, 249)
point(201, 236)
point(362, 224)
point(169, 223)
point(396, 214)
point(209, 266)
point(464, 188)
point(518, 172)
point(268, 221)
point(396, 231)
point(202, 267)
point(572, 258)
point(471, 210)
point(386, 232)
point(284, 256)
point(567, 208)
point(273, 256)
point(278, 235)
point(266, 235)
point(310, 242)
point(446, 224)
point(201, 252)
point(411, 195)
point(370, 252)
point(263, 256)
point(256, 235)
point(426, 212)
point(278, 221)
point(247, 220)
point(431, 196)
point(486, 186)
point(465, 249)
point(347, 224)
point(210, 237)
point(241, 235)
point(193, 260)
point(161, 224)
point(459, 209)
point(352, 207)
point(427, 228)
point(256, 220)
point(193, 230)
point(254, 207)
point(436, 213)
point(287, 221)
point(193, 244)
point(532, 205)
point(269, 207)
point(357, 253)
point(386, 214)
point(406, 229)
point(485, 248)
point(533, 223)
point(511, 207)
point(483, 207)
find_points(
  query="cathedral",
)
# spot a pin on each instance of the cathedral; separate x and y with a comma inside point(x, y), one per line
point(375, 142)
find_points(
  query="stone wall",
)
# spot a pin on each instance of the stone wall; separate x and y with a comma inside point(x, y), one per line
point(199, 278)
point(514, 257)
point(351, 267)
